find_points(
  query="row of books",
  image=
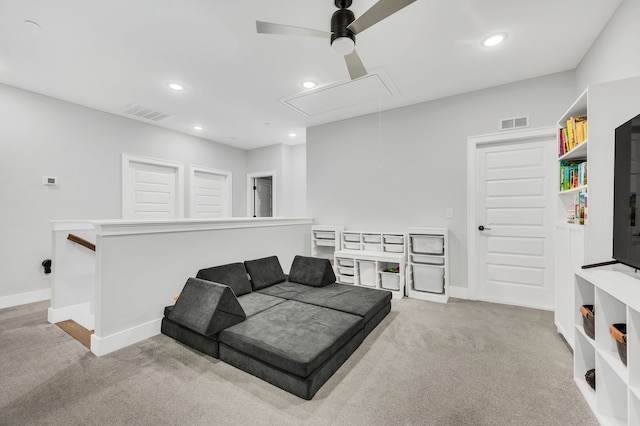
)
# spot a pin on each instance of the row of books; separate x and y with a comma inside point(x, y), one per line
point(580, 212)
point(573, 174)
point(576, 132)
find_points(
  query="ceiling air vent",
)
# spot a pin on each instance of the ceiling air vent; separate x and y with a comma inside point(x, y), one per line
point(145, 113)
point(514, 123)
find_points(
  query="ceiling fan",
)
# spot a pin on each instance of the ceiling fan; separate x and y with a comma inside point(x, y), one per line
point(344, 28)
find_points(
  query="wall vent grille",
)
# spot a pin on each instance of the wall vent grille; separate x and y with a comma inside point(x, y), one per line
point(514, 123)
point(145, 113)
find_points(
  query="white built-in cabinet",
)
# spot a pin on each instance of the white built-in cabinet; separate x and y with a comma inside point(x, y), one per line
point(615, 294)
point(428, 264)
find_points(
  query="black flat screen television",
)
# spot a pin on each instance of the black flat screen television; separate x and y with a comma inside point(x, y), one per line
point(626, 187)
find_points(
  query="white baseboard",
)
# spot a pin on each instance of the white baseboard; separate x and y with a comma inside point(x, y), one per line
point(24, 298)
point(459, 292)
point(104, 345)
point(79, 313)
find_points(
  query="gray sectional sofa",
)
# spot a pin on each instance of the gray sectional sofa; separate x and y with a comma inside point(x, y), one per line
point(292, 331)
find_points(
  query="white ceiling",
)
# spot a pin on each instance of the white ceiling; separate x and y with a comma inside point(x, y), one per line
point(109, 54)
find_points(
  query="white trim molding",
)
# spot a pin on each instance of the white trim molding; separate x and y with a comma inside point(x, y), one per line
point(24, 298)
point(104, 345)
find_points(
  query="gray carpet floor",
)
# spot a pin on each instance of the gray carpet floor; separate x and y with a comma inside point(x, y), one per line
point(461, 363)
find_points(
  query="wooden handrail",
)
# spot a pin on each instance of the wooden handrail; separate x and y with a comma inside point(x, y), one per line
point(82, 242)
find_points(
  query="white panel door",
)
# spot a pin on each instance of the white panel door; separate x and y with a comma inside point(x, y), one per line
point(151, 189)
point(210, 193)
point(514, 222)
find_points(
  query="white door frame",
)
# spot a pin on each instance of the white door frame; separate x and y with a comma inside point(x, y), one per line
point(127, 159)
point(250, 177)
point(192, 175)
point(473, 143)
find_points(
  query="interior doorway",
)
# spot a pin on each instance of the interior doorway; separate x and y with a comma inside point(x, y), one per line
point(261, 194)
point(511, 188)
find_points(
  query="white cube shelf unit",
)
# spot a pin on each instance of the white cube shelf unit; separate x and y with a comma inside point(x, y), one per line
point(368, 269)
point(615, 294)
point(428, 264)
point(366, 257)
point(325, 239)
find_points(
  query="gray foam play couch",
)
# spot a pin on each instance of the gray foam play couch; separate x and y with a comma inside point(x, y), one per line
point(293, 332)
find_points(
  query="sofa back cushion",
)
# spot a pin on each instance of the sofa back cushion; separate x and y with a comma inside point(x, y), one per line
point(312, 271)
point(265, 272)
point(234, 275)
point(206, 307)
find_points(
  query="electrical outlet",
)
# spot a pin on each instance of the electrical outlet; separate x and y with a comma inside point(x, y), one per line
point(449, 213)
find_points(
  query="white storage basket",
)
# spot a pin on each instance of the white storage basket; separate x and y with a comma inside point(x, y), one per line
point(367, 273)
point(371, 238)
point(428, 278)
point(354, 238)
point(427, 244)
point(427, 259)
point(390, 280)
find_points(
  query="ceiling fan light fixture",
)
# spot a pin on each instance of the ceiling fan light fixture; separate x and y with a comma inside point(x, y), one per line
point(343, 45)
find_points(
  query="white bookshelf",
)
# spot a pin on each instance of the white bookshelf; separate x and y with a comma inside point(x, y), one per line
point(615, 294)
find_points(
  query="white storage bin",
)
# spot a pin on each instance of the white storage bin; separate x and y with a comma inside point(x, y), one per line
point(390, 280)
point(326, 243)
point(322, 235)
point(393, 248)
point(352, 246)
point(345, 279)
point(371, 238)
point(426, 259)
point(351, 237)
point(428, 278)
point(367, 272)
point(372, 247)
point(427, 244)
point(394, 239)
point(346, 271)
point(345, 262)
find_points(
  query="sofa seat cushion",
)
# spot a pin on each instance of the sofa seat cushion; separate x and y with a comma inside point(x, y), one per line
point(312, 271)
point(293, 336)
point(254, 303)
point(264, 272)
point(233, 275)
point(365, 302)
point(285, 290)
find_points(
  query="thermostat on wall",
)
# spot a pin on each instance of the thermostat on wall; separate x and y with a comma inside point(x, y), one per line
point(50, 180)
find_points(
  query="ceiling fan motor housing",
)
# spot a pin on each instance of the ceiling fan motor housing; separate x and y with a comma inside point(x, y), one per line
point(339, 22)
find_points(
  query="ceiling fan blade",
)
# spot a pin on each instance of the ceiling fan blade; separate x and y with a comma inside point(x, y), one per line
point(271, 28)
point(379, 11)
point(355, 66)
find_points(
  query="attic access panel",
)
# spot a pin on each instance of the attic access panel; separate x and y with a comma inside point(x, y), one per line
point(339, 96)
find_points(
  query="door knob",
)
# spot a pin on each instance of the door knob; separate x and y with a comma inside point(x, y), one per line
point(482, 228)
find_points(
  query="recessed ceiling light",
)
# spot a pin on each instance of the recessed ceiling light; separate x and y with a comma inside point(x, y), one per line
point(494, 40)
point(293, 135)
point(198, 128)
point(308, 84)
point(175, 86)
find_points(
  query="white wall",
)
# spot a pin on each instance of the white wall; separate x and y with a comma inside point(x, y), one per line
point(298, 164)
point(404, 167)
point(614, 55)
point(82, 147)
